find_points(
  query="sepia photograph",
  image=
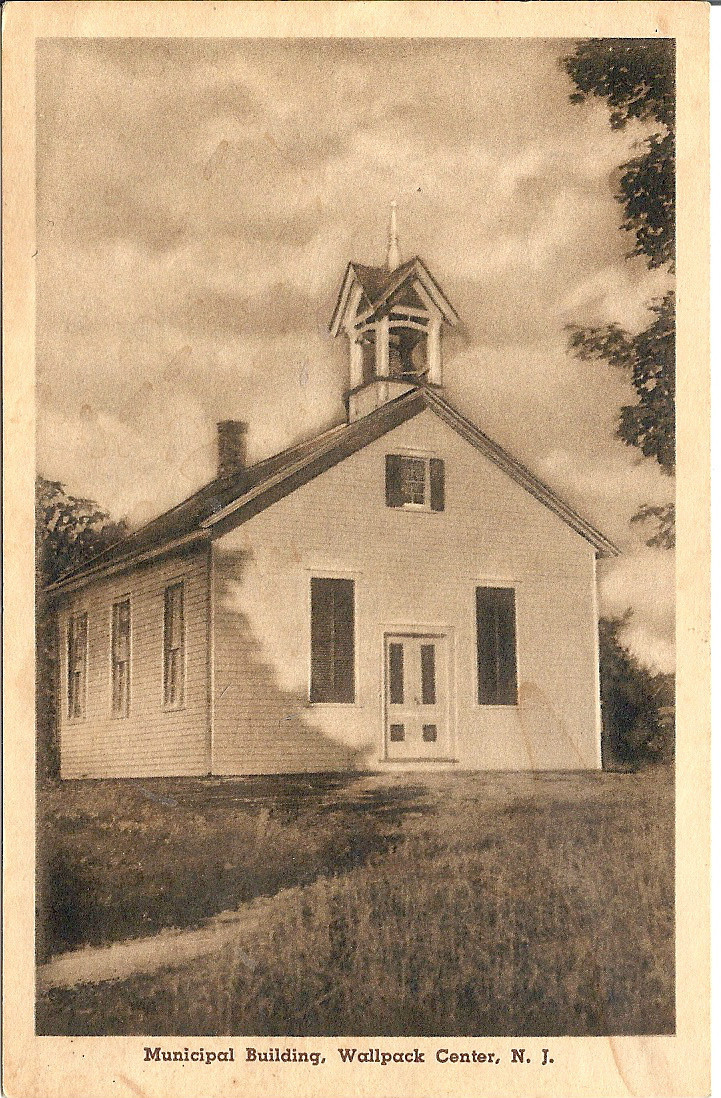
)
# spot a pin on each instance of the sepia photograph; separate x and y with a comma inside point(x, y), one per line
point(355, 498)
point(356, 634)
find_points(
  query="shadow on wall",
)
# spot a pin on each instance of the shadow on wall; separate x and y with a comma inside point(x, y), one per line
point(259, 726)
point(547, 741)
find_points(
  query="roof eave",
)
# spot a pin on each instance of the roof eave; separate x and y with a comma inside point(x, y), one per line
point(343, 441)
point(79, 579)
point(349, 279)
point(521, 474)
point(355, 436)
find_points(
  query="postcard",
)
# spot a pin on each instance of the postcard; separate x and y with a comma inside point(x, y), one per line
point(357, 547)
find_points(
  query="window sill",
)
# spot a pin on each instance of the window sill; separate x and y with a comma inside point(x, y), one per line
point(420, 758)
point(496, 705)
point(334, 705)
point(415, 508)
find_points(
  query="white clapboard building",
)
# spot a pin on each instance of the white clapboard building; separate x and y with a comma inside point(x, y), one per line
point(397, 592)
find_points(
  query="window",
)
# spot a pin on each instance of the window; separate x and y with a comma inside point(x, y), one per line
point(414, 482)
point(395, 660)
point(120, 654)
point(174, 647)
point(77, 664)
point(428, 674)
point(332, 640)
point(496, 632)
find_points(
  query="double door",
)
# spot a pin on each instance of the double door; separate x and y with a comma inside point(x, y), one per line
point(416, 697)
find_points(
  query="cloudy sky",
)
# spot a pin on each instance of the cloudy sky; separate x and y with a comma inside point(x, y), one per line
point(198, 201)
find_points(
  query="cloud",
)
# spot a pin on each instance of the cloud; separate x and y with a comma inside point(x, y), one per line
point(621, 484)
point(198, 201)
point(279, 309)
point(616, 295)
point(165, 462)
point(643, 581)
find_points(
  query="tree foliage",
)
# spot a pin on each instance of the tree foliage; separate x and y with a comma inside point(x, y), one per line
point(636, 78)
point(663, 518)
point(637, 727)
point(69, 531)
point(650, 358)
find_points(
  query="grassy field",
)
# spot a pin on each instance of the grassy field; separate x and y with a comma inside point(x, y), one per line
point(431, 904)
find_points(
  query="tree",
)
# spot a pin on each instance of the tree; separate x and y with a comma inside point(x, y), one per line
point(633, 701)
point(68, 532)
point(650, 423)
point(636, 77)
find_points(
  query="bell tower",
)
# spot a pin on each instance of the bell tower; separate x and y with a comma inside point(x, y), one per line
point(393, 319)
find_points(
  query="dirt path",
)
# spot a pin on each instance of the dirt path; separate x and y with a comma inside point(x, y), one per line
point(118, 961)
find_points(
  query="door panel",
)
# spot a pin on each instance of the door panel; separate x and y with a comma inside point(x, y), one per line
point(416, 690)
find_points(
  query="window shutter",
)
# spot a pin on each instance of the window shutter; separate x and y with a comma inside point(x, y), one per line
point(176, 617)
point(168, 626)
point(486, 632)
point(81, 640)
point(506, 633)
point(496, 640)
point(321, 640)
point(438, 489)
point(344, 641)
point(394, 495)
point(121, 631)
point(77, 663)
point(332, 640)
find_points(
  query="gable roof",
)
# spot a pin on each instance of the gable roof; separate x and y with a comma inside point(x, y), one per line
point(379, 284)
point(226, 502)
point(372, 279)
point(186, 518)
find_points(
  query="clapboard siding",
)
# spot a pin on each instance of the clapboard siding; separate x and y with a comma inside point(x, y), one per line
point(412, 570)
point(151, 740)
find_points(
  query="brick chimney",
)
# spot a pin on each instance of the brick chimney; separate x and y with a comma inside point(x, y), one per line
point(231, 446)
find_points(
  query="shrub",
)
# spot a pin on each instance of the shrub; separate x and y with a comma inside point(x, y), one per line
point(636, 704)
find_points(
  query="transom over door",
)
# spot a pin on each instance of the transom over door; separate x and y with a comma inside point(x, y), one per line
point(416, 693)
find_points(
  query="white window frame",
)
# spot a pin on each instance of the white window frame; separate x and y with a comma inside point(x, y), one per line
point(117, 714)
point(77, 717)
point(425, 456)
point(174, 707)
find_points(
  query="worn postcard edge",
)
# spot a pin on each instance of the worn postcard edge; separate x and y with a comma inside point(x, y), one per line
point(664, 1065)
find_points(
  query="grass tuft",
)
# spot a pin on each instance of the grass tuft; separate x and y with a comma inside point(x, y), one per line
point(479, 905)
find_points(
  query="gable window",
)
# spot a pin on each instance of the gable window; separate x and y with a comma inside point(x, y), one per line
point(77, 664)
point(120, 654)
point(174, 647)
point(496, 641)
point(332, 640)
point(415, 482)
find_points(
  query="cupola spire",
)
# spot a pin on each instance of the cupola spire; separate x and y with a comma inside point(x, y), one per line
point(393, 256)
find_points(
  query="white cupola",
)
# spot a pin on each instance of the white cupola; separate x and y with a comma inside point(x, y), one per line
point(393, 318)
